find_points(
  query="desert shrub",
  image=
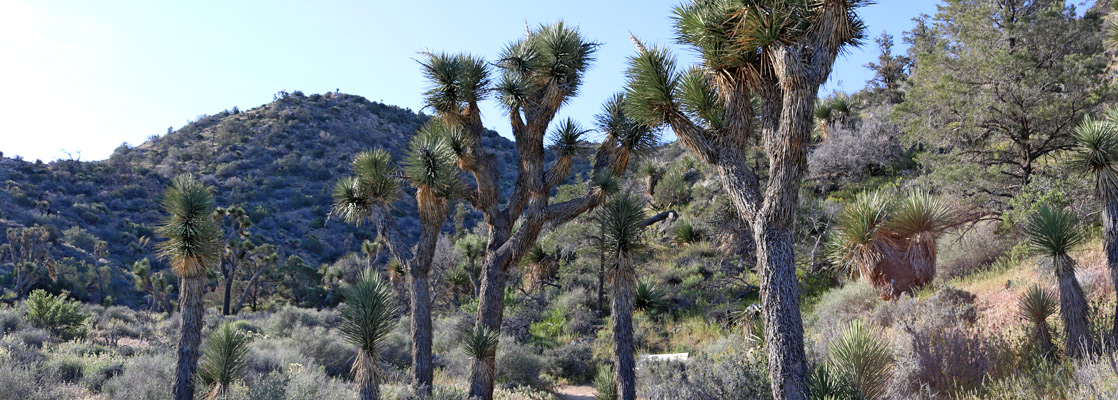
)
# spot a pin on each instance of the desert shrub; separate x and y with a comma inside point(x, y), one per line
point(961, 254)
point(312, 383)
point(145, 377)
point(835, 309)
point(573, 360)
point(270, 354)
point(20, 381)
point(57, 314)
point(861, 355)
point(685, 232)
point(828, 384)
point(1095, 378)
point(940, 354)
point(286, 319)
point(674, 189)
point(723, 370)
point(519, 363)
point(847, 154)
point(10, 320)
point(326, 348)
point(516, 393)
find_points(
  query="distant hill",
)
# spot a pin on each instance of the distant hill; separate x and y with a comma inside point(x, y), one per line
point(279, 161)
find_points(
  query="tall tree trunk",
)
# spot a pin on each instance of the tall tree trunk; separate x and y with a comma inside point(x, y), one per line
point(1110, 237)
point(368, 388)
point(423, 368)
point(250, 286)
point(190, 335)
point(491, 306)
point(228, 291)
point(1073, 309)
point(625, 366)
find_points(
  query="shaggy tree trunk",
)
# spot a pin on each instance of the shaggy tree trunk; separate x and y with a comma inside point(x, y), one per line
point(433, 214)
point(1073, 309)
point(190, 335)
point(368, 388)
point(1043, 336)
point(1110, 237)
point(623, 362)
point(227, 271)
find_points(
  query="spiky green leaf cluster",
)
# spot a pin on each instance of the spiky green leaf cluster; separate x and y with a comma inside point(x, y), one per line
point(374, 185)
point(457, 80)
point(1053, 232)
point(368, 312)
point(224, 358)
point(432, 162)
point(535, 255)
point(1036, 305)
point(553, 55)
point(191, 233)
point(631, 135)
point(861, 355)
point(622, 223)
point(566, 139)
point(481, 343)
point(648, 296)
point(872, 217)
point(1096, 151)
point(605, 382)
point(652, 83)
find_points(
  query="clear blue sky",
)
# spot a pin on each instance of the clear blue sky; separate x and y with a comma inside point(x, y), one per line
point(85, 76)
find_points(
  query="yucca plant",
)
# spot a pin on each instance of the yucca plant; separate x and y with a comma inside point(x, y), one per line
point(191, 247)
point(1096, 153)
point(1036, 305)
point(685, 232)
point(605, 382)
point(623, 222)
point(648, 296)
point(481, 345)
point(827, 384)
point(368, 317)
point(1053, 233)
point(538, 266)
point(892, 244)
point(860, 355)
point(223, 359)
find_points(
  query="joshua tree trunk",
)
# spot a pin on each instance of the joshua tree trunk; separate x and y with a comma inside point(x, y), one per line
point(190, 335)
point(420, 268)
point(623, 331)
point(368, 388)
point(228, 291)
point(1073, 309)
point(1110, 237)
point(1043, 336)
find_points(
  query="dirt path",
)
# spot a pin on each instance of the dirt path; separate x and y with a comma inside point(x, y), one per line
point(576, 393)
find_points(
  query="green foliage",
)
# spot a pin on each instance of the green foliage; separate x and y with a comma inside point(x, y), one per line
point(860, 355)
point(369, 316)
point(60, 315)
point(223, 359)
point(605, 383)
point(827, 384)
point(685, 232)
point(1053, 232)
point(622, 222)
point(432, 161)
point(456, 80)
point(480, 343)
point(191, 233)
point(1036, 305)
point(373, 186)
point(648, 296)
point(566, 138)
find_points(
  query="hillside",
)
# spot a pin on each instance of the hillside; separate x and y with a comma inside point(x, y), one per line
point(277, 161)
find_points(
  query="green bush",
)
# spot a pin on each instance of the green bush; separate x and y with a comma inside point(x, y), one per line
point(606, 384)
point(58, 314)
point(861, 355)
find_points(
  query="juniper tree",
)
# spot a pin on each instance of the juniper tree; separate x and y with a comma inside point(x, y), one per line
point(778, 52)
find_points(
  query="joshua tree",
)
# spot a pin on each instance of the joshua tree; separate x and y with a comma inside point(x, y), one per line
point(235, 250)
point(892, 244)
point(1096, 153)
point(539, 73)
point(1036, 306)
point(223, 359)
point(779, 52)
point(623, 219)
point(153, 283)
point(191, 248)
point(1053, 233)
point(431, 166)
point(368, 315)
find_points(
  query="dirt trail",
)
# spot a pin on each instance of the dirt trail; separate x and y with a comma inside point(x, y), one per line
point(576, 393)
